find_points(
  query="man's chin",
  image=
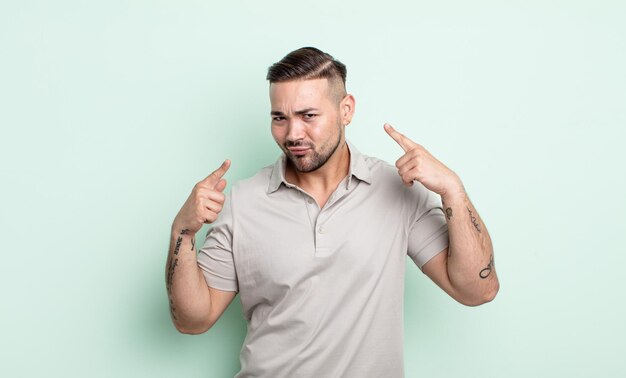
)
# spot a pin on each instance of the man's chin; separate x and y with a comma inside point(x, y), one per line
point(302, 165)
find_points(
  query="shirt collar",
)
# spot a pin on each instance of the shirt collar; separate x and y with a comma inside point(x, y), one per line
point(358, 169)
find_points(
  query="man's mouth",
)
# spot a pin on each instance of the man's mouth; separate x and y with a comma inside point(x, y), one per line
point(298, 151)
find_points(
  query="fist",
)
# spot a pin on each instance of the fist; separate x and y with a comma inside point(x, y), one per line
point(204, 203)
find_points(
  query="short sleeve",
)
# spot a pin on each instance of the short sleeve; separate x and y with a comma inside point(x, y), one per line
point(215, 258)
point(428, 231)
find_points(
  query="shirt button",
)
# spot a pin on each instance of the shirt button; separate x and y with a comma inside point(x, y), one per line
point(321, 229)
point(310, 201)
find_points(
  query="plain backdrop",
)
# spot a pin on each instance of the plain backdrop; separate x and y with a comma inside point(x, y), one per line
point(111, 111)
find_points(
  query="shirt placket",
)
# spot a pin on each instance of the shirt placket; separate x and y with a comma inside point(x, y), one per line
point(322, 230)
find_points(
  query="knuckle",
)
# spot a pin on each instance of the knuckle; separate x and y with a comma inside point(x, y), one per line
point(198, 189)
point(199, 211)
point(203, 192)
point(197, 200)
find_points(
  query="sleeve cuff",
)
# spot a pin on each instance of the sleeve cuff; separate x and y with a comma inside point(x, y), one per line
point(437, 243)
point(219, 282)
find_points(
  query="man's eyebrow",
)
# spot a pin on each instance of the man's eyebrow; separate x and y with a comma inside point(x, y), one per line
point(307, 110)
point(303, 111)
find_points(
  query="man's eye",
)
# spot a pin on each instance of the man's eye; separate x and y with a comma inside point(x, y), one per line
point(309, 116)
point(278, 118)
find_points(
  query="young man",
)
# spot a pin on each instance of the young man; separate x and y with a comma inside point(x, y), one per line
point(316, 244)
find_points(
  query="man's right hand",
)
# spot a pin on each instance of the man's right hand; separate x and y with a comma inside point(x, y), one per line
point(204, 203)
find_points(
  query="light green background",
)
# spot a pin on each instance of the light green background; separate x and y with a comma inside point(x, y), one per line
point(111, 111)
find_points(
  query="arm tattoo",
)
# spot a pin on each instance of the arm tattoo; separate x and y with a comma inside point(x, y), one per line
point(169, 280)
point(193, 244)
point(177, 248)
point(487, 271)
point(448, 213)
point(171, 267)
point(170, 274)
point(474, 220)
point(173, 309)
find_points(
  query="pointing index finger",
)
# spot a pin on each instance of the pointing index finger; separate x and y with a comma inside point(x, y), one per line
point(217, 175)
point(403, 141)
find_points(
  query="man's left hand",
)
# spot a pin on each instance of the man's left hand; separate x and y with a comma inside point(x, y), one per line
point(418, 164)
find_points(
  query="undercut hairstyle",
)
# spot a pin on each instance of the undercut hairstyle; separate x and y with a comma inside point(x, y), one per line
point(310, 63)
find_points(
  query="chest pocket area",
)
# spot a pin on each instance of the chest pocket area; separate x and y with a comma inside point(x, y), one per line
point(270, 259)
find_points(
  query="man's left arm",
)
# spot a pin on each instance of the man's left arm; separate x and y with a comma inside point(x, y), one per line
point(465, 270)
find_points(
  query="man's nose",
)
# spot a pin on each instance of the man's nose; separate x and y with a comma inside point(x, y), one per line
point(296, 130)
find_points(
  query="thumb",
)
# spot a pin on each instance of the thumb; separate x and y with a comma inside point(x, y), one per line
point(220, 186)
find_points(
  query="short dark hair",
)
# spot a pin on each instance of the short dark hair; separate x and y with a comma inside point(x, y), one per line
point(307, 63)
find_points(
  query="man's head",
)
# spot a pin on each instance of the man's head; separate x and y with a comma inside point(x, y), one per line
point(310, 63)
point(310, 106)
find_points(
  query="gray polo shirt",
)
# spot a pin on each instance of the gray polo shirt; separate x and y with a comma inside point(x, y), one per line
point(322, 289)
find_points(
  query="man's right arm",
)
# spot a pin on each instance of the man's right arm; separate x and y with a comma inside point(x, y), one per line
point(194, 306)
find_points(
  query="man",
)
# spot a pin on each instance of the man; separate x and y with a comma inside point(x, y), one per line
point(316, 244)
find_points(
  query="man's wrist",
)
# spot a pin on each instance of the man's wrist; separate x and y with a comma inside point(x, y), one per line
point(182, 231)
point(454, 194)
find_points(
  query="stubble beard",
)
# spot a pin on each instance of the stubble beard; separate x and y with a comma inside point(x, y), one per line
point(313, 160)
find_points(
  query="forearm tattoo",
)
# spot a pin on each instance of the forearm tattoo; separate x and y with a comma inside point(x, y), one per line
point(173, 309)
point(449, 213)
point(177, 248)
point(487, 271)
point(474, 220)
point(171, 268)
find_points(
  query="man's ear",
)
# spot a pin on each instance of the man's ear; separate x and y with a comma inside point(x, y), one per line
point(346, 107)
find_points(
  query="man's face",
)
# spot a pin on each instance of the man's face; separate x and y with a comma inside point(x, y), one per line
point(306, 121)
